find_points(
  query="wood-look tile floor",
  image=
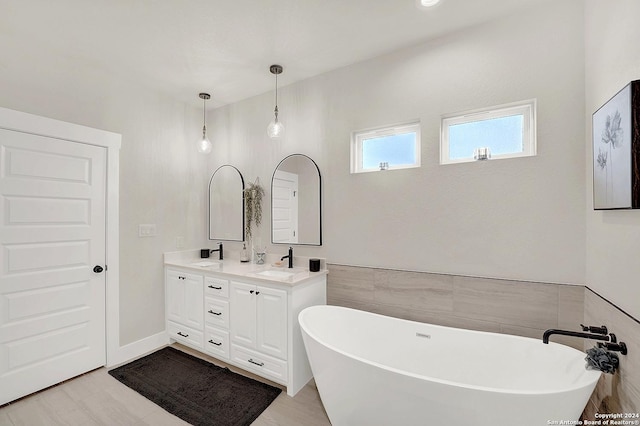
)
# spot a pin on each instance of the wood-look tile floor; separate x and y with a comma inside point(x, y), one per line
point(96, 398)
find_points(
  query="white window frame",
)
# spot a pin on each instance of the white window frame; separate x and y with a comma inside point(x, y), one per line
point(525, 108)
point(358, 137)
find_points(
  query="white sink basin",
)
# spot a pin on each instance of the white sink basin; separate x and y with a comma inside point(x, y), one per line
point(206, 263)
point(271, 273)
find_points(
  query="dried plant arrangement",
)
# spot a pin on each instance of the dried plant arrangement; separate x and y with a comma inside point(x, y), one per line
point(253, 194)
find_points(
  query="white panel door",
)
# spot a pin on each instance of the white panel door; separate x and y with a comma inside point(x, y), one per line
point(242, 306)
point(284, 210)
point(194, 301)
point(174, 296)
point(271, 321)
point(52, 234)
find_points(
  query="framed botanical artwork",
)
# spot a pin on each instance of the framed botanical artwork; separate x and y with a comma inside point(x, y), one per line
point(616, 151)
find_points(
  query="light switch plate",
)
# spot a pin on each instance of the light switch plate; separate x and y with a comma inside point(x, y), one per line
point(147, 230)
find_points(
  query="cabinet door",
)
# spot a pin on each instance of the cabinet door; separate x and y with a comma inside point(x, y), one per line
point(175, 296)
point(271, 321)
point(185, 299)
point(193, 301)
point(243, 313)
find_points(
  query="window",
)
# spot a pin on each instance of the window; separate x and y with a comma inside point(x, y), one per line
point(507, 130)
point(386, 148)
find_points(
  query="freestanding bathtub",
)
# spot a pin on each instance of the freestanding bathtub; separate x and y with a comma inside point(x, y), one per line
point(377, 370)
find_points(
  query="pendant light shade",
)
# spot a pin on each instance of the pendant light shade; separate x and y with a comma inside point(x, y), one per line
point(275, 129)
point(204, 145)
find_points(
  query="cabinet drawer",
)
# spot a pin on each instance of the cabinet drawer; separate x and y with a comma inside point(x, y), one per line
point(185, 334)
point(264, 365)
point(216, 342)
point(216, 287)
point(216, 312)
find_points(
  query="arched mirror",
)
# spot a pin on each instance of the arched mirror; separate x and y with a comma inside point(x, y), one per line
point(226, 204)
point(296, 202)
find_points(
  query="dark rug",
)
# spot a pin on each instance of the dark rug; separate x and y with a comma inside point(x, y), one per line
point(195, 390)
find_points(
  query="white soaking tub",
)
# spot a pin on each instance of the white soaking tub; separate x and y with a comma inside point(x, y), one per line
point(377, 370)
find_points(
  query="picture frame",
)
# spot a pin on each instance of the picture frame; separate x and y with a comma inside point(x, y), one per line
point(616, 151)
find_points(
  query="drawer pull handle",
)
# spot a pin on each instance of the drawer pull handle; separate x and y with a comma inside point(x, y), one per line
point(251, 291)
point(180, 277)
point(215, 288)
point(257, 293)
point(259, 364)
point(214, 343)
point(183, 335)
point(215, 313)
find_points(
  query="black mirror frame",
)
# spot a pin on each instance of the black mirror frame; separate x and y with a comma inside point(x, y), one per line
point(319, 202)
point(241, 195)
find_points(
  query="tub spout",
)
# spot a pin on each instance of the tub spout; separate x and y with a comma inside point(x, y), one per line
point(552, 331)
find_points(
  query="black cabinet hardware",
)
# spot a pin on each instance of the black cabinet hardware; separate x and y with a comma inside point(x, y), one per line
point(259, 364)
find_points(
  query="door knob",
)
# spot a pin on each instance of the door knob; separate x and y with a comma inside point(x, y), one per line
point(97, 269)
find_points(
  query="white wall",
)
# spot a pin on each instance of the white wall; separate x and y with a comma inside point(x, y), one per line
point(612, 60)
point(163, 179)
point(518, 219)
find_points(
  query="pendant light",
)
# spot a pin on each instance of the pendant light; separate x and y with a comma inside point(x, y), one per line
point(275, 129)
point(204, 145)
point(424, 4)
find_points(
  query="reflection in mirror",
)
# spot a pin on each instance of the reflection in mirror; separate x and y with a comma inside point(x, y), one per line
point(226, 204)
point(296, 202)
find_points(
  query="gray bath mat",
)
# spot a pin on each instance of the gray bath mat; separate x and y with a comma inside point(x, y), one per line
point(195, 390)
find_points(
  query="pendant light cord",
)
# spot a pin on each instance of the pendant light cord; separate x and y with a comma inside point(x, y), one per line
point(204, 117)
point(276, 109)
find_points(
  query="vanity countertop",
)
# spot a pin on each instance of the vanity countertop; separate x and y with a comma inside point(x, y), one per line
point(233, 268)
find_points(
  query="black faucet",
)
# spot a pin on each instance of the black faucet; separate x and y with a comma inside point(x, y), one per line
point(219, 249)
point(593, 329)
point(615, 347)
point(594, 336)
point(290, 256)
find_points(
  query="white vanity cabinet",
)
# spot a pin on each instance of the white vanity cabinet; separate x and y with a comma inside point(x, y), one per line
point(184, 307)
point(246, 321)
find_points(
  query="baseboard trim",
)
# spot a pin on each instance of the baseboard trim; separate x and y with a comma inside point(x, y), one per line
point(138, 348)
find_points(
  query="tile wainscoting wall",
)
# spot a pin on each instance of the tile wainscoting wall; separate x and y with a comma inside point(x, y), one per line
point(502, 306)
point(618, 393)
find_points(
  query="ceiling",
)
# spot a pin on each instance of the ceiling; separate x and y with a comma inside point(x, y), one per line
point(225, 47)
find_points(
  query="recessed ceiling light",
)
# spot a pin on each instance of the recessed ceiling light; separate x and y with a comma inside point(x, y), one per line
point(429, 3)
